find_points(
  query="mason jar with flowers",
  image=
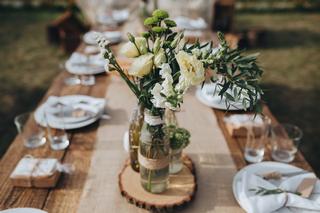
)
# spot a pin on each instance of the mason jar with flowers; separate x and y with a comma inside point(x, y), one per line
point(164, 67)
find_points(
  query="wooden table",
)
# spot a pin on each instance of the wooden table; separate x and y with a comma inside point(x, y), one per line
point(66, 196)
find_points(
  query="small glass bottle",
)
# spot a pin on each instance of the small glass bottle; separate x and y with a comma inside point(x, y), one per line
point(154, 153)
point(176, 163)
point(135, 126)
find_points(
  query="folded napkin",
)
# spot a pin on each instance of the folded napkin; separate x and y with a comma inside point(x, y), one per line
point(239, 120)
point(283, 202)
point(80, 64)
point(75, 110)
point(237, 124)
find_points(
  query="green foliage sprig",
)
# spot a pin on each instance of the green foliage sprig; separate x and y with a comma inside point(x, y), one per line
point(264, 191)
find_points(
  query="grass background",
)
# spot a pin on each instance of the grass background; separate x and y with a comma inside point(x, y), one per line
point(290, 58)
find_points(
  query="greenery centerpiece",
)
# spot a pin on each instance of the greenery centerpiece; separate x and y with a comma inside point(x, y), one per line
point(164, 66)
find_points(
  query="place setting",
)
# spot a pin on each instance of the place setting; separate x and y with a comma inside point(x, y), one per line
point(83, 68)
point(271, 186)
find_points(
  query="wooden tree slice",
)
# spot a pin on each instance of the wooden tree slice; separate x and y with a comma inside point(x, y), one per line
point(181, 188)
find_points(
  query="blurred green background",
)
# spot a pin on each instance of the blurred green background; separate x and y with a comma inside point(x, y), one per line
point(290, 57)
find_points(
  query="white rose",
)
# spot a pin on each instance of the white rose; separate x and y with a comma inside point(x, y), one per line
point(129, 50)
point(141, 65)
point(192, 70)
point(159, 58)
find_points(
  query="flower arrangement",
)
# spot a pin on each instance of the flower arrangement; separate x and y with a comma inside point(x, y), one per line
point(165, 65)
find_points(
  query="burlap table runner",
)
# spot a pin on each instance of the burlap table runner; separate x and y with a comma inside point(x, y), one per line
point(208, 150)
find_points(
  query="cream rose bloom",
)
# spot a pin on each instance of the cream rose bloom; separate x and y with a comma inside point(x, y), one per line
point(141, 65)
point(192, 70)
point(129, 50)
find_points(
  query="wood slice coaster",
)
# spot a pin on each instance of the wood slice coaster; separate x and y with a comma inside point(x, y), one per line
point(181, 188)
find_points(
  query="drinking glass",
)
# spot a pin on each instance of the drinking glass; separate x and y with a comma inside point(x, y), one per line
point(285, 141)
point(257, 136)
point(33, 135)
point(72, 79)
point(58, 137)
point(88, 80)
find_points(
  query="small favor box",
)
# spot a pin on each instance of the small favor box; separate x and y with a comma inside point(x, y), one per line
point(36, 172)
point(237, 124)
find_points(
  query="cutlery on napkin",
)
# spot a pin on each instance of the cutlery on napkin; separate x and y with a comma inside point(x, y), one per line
point(287, 198)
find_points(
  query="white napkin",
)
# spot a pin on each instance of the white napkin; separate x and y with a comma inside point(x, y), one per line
point(81, 64)
point(240, 120)
point(91, 106)
point(253, 203)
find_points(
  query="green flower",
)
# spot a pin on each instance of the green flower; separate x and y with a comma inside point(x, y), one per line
point(145, 34)
point(170, 23)
point(158, 29)
point(179, 137)
point(150, 21)
point(160, 14)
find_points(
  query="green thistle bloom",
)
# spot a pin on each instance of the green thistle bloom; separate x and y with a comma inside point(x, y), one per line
point(160, 14)
point(170, 23)
point(145, 34)
point(158, 29)
point(150, 21)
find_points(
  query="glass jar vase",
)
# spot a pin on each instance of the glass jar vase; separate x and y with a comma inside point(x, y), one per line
point(176, 163)
point(135, 126)
point(154, 154)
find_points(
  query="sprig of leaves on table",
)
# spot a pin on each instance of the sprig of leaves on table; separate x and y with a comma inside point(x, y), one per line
point(264, 191)
point(237, 75)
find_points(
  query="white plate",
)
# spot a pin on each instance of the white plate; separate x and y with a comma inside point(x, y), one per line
point(39, 113)
point(260, 168)
point(112, 36)
point(218, 103)
point(23, 210)
point(77, 64)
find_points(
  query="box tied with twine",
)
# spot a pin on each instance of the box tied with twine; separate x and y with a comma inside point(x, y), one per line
point(38, 172)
